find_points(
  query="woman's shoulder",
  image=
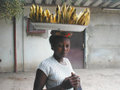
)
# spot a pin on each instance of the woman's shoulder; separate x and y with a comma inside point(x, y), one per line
point(47, 61)
point(45, 66)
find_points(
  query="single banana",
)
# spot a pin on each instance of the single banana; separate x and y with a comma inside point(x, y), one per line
point(68, 14)
point(79, 17)
point(58, 9)
point(88, 20)
point(73, 17)
point(64, 9)
point(54, 18)
point(58, 14)
point(82, 16)
point(31, 14)
point(37, 13)
point(44, 16)
point(47, 15)
point(34, 11)
point(51, 19)
point(40, 13)
point(85, 16)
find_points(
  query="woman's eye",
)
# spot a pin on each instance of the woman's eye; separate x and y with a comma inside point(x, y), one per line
point(67, 46)
point(60, 45)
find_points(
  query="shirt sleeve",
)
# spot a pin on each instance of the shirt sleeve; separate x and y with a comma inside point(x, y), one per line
point(44, 67)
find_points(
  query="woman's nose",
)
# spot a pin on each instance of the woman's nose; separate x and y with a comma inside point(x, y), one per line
point(64, 48)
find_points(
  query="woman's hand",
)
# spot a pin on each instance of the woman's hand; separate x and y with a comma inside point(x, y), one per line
point(72, 81)
point(75, 80)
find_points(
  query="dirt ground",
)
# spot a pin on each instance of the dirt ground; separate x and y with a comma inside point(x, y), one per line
point(91, 79)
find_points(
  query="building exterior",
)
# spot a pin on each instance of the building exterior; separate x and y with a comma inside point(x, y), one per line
point(102, 44)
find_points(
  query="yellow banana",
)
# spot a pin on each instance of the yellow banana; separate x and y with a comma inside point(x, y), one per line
point(51, 18)
point(64, 9)
point(88, 20)
point(34, 10)
point(79, 17)
point(31, 14)
point(58, 9)
point(68, 14)
point(85, 16)
point(82, 16)
point(37, 13)
point(61, 18)
point(40, 13)
point(58, 14)
point(73, 17)
point(47, 13)
point(44, 16)
point(54, 18)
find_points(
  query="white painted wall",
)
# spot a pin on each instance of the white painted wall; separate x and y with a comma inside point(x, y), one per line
point(102, 40)
point(102, 43)
point(6, 46)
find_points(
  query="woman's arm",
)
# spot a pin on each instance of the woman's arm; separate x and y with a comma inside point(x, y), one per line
point(40, 81)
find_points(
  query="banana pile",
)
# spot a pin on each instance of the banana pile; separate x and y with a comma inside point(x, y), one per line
point(64, 14)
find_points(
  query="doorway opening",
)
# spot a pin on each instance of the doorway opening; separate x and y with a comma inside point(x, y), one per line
point(76, 54)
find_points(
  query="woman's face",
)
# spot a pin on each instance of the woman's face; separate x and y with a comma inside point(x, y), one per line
point(62, 48)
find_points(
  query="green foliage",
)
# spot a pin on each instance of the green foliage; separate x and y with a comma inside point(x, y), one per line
point(11, 8)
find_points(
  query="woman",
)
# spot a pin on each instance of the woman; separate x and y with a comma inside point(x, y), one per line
point(56, 72)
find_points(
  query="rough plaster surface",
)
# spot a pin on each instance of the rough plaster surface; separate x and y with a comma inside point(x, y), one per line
point(102, 40)
point(6, 46)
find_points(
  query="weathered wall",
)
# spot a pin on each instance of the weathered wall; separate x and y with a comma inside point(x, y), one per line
point(102, 40)
point(102, 43)
point(6, 46)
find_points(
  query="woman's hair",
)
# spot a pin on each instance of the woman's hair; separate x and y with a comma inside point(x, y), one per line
point(55, 39)
point(58, 36)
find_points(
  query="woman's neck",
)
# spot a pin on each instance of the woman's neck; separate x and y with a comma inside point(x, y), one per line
point(59, 59)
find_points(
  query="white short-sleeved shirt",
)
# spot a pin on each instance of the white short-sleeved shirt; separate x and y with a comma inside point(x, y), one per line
point(55, 71)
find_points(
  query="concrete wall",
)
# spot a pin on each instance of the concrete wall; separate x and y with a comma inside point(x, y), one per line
point(102, 42)
point(102, 39)
point(6, 46)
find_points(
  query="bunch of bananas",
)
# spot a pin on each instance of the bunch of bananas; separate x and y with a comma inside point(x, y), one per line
point(64, 15)
point(37, 14)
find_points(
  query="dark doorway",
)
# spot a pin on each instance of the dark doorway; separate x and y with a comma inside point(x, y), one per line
point(76, 54)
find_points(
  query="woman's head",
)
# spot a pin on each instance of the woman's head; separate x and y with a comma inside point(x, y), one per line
point(60, 45)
